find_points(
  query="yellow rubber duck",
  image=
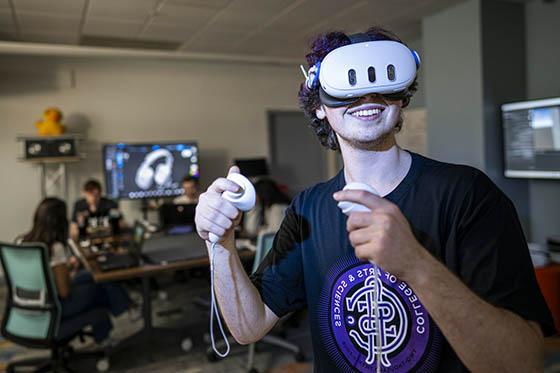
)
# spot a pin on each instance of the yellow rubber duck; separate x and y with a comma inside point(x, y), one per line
point(50, 124)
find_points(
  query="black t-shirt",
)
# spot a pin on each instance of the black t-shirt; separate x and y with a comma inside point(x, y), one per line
point(455, 212)
point(105, 209)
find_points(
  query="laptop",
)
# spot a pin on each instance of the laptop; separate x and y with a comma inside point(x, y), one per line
point(111, 261)
point(177, 219)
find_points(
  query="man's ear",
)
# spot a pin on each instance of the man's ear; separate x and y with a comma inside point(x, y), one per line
point(320, 112)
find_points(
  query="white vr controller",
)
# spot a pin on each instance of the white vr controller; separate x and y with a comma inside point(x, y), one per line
point(350, 207)
point(243, 200)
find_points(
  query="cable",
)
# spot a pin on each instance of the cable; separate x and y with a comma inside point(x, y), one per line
point(377, 344)
point(214, 308)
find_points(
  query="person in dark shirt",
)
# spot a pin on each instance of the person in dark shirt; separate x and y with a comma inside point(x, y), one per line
point(94, 211)
point(436, 277)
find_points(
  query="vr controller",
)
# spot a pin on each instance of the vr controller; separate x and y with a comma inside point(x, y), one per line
point(348, 207)
point(243, 200)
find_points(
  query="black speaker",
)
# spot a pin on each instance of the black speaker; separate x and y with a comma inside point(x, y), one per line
point(50, 148)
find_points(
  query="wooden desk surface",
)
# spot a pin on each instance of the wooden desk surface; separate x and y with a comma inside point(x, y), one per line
point(147, 269)
point(152, 269)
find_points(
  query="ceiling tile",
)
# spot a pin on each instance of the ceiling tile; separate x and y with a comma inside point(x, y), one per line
point(308, 14)
point(59, 7)
point(237, 21)
point(256, 27)
point(49, 37)
point(51, 24)
point(8, 35)
point(112, 28)
point(269, 42)
point(131, 10)
point(216, 41)
point(167, 33)
point(7, 28)
point(259, 8)
point(6, 20)
point(295, 51)
point(211, 4)
point(175, 15)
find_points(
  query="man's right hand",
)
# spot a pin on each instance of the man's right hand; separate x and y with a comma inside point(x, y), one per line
point(215, 214)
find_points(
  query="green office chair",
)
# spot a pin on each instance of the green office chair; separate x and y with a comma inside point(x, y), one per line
point(33, 312)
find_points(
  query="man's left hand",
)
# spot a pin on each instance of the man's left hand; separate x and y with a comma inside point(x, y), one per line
point(382, 236)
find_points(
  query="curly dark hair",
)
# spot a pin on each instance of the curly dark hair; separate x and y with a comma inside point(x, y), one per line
point(309, 99)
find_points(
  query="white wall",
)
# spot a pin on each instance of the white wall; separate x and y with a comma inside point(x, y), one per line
point(223, 106)
point(452, 38)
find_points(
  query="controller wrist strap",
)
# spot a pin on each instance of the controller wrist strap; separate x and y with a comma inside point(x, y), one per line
point(214, 309)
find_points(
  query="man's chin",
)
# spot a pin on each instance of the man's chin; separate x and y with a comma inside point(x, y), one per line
point(382, 142)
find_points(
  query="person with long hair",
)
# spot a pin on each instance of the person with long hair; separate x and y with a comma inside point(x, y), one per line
point(77, 291)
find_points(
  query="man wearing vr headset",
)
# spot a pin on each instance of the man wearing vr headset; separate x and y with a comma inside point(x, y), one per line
point(454, 289)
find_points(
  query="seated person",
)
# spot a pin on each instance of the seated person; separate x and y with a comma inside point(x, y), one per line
point(269, 210)
point(190, 192)
point(77, 291)
point(94, 211)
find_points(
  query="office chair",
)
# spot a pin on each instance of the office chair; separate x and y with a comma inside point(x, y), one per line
point(33, 312)
point(264, 244)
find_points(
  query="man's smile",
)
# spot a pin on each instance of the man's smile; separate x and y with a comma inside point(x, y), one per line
point(366, 112)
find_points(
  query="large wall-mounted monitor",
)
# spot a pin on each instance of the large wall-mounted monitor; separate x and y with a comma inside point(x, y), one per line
point(137, 171)
point(532, 138)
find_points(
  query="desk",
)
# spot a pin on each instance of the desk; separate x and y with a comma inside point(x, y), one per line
point(197, 257)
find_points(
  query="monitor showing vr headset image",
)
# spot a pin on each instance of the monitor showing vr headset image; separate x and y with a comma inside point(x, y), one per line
point(532, 138)
point(139, 171)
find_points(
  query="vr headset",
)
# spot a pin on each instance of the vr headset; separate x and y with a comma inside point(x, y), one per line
point(364, 67)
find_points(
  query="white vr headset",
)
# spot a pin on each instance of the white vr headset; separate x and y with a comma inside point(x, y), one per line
point(363, 67)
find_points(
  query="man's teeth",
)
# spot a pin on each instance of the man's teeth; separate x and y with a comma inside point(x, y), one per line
point(366, 113)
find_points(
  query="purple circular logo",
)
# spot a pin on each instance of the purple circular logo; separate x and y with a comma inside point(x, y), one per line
point(404, 324)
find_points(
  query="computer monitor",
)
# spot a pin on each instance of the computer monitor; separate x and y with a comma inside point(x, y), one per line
point(137, 171)
point(252, 167)
point(532, 138)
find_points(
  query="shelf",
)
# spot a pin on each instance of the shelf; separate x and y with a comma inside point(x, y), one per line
point(75, 158)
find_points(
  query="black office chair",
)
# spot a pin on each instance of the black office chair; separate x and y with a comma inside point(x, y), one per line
point(32, 313)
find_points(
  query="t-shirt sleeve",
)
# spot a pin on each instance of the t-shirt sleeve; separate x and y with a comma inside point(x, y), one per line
point(279, 278)
point(59, 254)
point(494, 257)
